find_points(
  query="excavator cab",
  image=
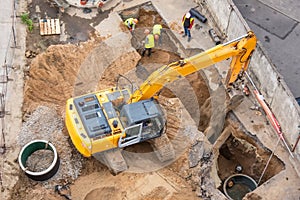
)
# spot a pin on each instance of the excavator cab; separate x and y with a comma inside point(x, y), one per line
point(142, 120)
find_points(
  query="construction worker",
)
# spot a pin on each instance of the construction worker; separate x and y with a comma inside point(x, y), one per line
point(149, 42)
point(130, 23)
point(157, 31)
point(187, 23)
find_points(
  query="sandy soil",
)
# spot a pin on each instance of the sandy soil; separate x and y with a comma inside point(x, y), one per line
point(61, 70)
point(52, 75)
point(50, 81)
point(60, 64)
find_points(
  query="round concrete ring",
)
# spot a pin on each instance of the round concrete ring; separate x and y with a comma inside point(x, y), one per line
point(32, 147)
point(238, 178)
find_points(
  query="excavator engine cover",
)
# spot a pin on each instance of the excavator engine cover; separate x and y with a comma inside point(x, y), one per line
point(92, 116)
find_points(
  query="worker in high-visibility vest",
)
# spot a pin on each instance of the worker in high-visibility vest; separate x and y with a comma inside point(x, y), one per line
point(149, 42)
point(130, 23)
point(187, 23)
point(157, 32)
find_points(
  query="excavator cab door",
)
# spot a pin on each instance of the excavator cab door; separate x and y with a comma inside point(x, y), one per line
point(133, 135)
point(142, 120)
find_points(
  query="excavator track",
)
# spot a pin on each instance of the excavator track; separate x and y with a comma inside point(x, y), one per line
point(113, 159)
point(163, 148)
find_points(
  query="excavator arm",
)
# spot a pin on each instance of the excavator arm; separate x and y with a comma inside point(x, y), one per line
point(240, 50)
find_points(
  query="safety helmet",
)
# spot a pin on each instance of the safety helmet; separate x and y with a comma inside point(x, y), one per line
point(188, 15)
point(135, 21)
point(147, 31)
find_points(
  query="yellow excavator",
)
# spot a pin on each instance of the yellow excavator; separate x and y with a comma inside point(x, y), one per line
point(100, 124)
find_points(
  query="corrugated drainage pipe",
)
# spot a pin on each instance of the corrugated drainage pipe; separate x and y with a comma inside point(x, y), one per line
point(32, 147)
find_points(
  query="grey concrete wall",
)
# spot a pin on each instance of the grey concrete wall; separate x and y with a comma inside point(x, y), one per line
point(261, 70)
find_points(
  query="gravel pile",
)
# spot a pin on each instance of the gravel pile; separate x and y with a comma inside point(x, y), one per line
point(44, 123)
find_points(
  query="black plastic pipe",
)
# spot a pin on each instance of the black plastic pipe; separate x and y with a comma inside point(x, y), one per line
point(199, 16)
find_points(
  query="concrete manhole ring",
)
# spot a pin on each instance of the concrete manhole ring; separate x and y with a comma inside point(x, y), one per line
point(238, 185)
point(32, 147)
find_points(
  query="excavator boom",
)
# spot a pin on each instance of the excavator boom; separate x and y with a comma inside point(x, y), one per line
point(240, 50)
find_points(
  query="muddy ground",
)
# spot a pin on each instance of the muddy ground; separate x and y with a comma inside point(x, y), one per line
point(50, 79)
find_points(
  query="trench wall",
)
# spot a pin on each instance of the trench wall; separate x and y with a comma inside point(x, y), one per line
point(267, 79)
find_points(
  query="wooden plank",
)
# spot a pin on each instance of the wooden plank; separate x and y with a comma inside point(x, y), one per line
point(57, 25)
point(54, 25)
point(48, 27)
point(42, 29)
point(52, 31)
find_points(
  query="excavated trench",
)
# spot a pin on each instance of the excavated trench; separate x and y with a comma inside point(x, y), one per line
point(245, 151)
point(241, 152)
point(51, 80)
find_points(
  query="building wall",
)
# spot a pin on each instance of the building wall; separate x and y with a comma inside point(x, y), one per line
point(261, 70)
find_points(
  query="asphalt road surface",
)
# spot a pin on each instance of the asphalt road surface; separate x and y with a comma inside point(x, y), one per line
point(276, 24)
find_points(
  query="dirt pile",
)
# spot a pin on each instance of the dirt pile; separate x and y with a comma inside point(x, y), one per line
point(52, 74)
point(51, 80)
point(63, 71)
point(121, 66)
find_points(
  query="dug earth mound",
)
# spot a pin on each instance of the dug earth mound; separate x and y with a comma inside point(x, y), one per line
point(59, 72)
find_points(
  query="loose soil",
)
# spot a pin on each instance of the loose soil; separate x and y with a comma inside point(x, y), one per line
point(242, 150)
point(50, 80)
point(39, 160)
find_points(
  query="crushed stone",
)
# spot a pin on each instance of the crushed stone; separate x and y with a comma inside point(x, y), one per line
point(44, 123)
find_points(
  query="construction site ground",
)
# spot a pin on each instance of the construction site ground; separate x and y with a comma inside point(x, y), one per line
point(92, 49)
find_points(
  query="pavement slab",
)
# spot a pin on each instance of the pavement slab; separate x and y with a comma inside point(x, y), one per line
point(288, 7)
point(265, 17)
point(276, 25)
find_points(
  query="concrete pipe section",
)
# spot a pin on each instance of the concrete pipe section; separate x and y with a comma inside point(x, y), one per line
point(238, 185)
point(36, 152)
